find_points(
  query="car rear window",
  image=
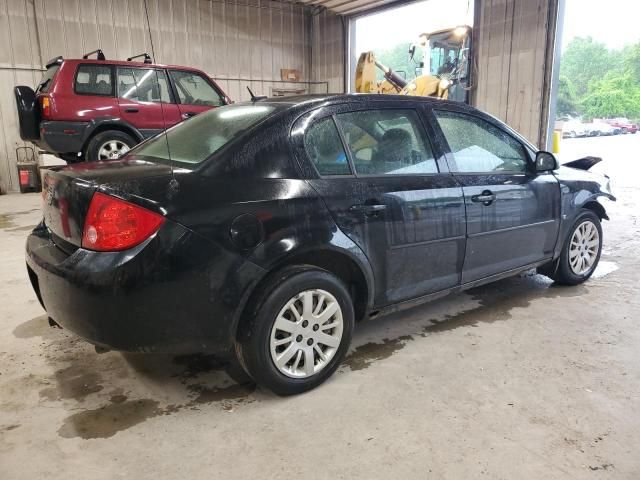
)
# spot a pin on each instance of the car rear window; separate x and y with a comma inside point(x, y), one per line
point(195, 140)
point(93, 80)
point(45, 82)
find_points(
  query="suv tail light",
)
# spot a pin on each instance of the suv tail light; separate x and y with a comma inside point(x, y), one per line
point(45, 104)
point(113, 224)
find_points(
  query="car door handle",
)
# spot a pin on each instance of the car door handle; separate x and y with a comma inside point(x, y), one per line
point(131, 110)
point(486, 198)
point(186, 115)
point(368, 209)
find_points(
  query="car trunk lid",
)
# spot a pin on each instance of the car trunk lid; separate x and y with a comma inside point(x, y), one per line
point(67, 193)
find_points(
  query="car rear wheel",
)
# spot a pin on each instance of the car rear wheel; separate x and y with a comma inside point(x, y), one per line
point(297, 331)
point(109, 145)
point(581, 251)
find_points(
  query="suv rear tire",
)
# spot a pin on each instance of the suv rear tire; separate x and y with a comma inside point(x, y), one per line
point(297, 330)
point(105, 145)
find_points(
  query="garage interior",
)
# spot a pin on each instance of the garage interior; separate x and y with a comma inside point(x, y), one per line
point(517, 379)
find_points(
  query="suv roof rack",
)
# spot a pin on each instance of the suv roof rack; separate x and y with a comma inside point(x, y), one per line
point(98, 52)
point(54, 61)
point(147, 57)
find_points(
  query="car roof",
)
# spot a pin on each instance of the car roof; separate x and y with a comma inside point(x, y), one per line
point(126, 63)
point(332, 98)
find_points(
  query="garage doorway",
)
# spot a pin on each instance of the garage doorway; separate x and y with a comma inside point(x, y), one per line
point(598, 90)
point(390, 32)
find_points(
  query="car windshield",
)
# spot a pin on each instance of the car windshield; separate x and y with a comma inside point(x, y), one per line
point(195, 140)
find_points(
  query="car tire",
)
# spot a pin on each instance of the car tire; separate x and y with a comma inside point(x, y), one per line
point(573, 135)
point(271, 331)
point(99, 147)
point(575, 265)
point(624, 130)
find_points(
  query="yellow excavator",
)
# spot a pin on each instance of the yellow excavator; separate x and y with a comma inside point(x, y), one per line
point(444, 71)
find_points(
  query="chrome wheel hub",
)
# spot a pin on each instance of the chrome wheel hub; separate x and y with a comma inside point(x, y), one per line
point(584, 247)
point(112, 150)
point(306, 334)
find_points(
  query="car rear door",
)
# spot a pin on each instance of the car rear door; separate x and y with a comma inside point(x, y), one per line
point(195, 93)
point(145, 99)
point(513, 214)
point(378, 175)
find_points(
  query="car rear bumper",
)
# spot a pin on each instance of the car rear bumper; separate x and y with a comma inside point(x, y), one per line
point(165, 295)
point(62, 137)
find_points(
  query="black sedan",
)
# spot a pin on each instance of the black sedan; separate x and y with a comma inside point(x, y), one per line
point(268, 229)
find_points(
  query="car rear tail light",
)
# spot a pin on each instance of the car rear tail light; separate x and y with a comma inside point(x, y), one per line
point(45, 103)
point(113, 224)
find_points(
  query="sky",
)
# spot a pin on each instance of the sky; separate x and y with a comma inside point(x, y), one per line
point(612, 22)
point(384, 30)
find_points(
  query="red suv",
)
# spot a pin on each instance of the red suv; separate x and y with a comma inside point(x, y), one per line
point(97, 109)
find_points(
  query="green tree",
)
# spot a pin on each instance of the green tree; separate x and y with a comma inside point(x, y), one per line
point(566, 100)
point(584, 60)
point(616, 94)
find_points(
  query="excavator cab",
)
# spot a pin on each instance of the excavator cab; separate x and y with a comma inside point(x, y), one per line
point(447, 55)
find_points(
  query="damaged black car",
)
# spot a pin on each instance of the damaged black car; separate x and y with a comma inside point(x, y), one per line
point(268, 229)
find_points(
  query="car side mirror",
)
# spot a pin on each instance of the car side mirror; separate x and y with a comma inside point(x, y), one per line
point(545, 162)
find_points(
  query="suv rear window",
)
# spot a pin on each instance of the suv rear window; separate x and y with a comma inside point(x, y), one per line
point(93, 80)
point(45, 83)
point(195, 140)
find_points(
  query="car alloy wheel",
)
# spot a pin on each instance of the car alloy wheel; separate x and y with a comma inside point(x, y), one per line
point(583, 249)
point(306, 334)
point(112, 150)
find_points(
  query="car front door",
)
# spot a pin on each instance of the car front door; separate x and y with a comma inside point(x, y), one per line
point(378, 176)
point(513, 214)
point(195, 93)
point(145, 99)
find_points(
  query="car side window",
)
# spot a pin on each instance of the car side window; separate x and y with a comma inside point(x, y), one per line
point(478, 146)
point(324, 147)
point(93, 80)
point(387, 142)
point(192, 89)
point(143, 85)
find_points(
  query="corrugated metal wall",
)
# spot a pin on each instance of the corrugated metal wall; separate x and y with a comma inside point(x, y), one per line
point(328, 50)
point(239, 43)
point(514, 51)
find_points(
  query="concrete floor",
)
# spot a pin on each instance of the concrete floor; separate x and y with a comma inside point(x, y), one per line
point(520, 379)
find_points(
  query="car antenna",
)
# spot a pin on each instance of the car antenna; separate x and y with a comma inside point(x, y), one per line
point(254, 97)
point(174, 186)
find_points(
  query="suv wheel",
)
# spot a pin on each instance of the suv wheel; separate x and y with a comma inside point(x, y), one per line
point(297, 331)
point(581, 251)
point(109, 145)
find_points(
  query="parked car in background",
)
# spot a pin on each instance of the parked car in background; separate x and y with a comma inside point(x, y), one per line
point(573, 129)
point(269, 228)
point(597, 128)
point(98, 109)
point(623, 124)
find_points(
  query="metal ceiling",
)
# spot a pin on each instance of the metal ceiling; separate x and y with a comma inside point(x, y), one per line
point(347, 7)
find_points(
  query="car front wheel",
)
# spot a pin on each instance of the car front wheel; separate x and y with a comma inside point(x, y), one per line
point(581, 251)
point(297, 330)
